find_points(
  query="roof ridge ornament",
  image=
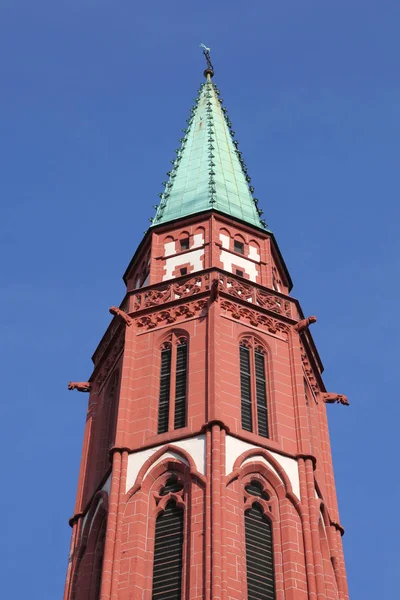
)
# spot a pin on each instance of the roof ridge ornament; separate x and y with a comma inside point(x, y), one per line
point(209, 72)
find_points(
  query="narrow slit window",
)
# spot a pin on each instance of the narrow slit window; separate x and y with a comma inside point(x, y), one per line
point(181, 385)
point(261, 394)
point(245, 388)
point(168, 554)
point(165, 386)
point(259, 555)
point(253, 388)
point(172, 407)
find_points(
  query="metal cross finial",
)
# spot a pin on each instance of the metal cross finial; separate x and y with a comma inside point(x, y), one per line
point(206, 52)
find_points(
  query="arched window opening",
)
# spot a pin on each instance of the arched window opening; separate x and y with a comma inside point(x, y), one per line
point(168, 554)
point(111, 410)
point(173, 384)
point(253, 387)
point(245, 388)
point(259, 555)
point(172, 485)
point(254, 488)
point(98, 561)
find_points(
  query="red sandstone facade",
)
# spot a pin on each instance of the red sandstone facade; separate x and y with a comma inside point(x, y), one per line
point(223, 299)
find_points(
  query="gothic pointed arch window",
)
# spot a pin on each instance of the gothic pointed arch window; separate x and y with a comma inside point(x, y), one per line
point(169, 542)
point(111, 399)
point(253, 386)
point(172, 409)
point(87, 571)
point(108, 422)
point(98, 557)
point(259, 544)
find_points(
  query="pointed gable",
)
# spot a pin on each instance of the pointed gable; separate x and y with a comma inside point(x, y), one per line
point(208, 172)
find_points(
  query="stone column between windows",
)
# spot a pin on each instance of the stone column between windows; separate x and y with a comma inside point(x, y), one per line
point(213, 408)
point(344, 592)
point(105, 593)
point(308, 548)
point(224, 572)
point(315, 538)
point(216, 481)
point(119, 521)
point(208, 524)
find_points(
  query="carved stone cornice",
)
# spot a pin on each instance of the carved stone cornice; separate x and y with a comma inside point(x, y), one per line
point(230, 285)
point(173, 314)
point(171, 291)
point(162, 304)
point(252, 294)
point(255, 318)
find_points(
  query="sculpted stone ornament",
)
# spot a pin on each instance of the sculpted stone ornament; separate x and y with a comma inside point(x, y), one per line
point(331, 398)
point(114, 310)
point(304, 324)
point(214, 295)
point(81, 386)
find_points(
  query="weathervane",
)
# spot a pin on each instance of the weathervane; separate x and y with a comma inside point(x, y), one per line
point(210, 68)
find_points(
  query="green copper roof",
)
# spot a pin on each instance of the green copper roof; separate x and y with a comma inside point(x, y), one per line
point(208, 171)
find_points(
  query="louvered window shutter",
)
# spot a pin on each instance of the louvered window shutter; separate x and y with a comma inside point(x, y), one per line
point(259, 555)
point(245, 388)
point(181, 386)
point(168, 552)
point(165, 385)
point(261, 394)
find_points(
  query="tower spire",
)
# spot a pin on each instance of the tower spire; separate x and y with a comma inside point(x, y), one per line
point(208, 172)
point(206, 467)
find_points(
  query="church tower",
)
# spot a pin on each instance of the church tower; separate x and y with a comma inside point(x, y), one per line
point(206, 469)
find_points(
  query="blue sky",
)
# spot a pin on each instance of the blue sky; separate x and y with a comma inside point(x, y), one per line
point(94, 96)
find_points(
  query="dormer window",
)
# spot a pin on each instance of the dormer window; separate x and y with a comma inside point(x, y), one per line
point(238, 247)
point(184, 244)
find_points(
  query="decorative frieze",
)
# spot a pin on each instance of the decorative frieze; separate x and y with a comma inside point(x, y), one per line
point(227, 284)
point(171, 291)
point(172, 315)
point(254, 318)
point(203, 283)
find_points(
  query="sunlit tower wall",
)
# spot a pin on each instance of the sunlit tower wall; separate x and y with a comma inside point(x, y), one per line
point(206, 468)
